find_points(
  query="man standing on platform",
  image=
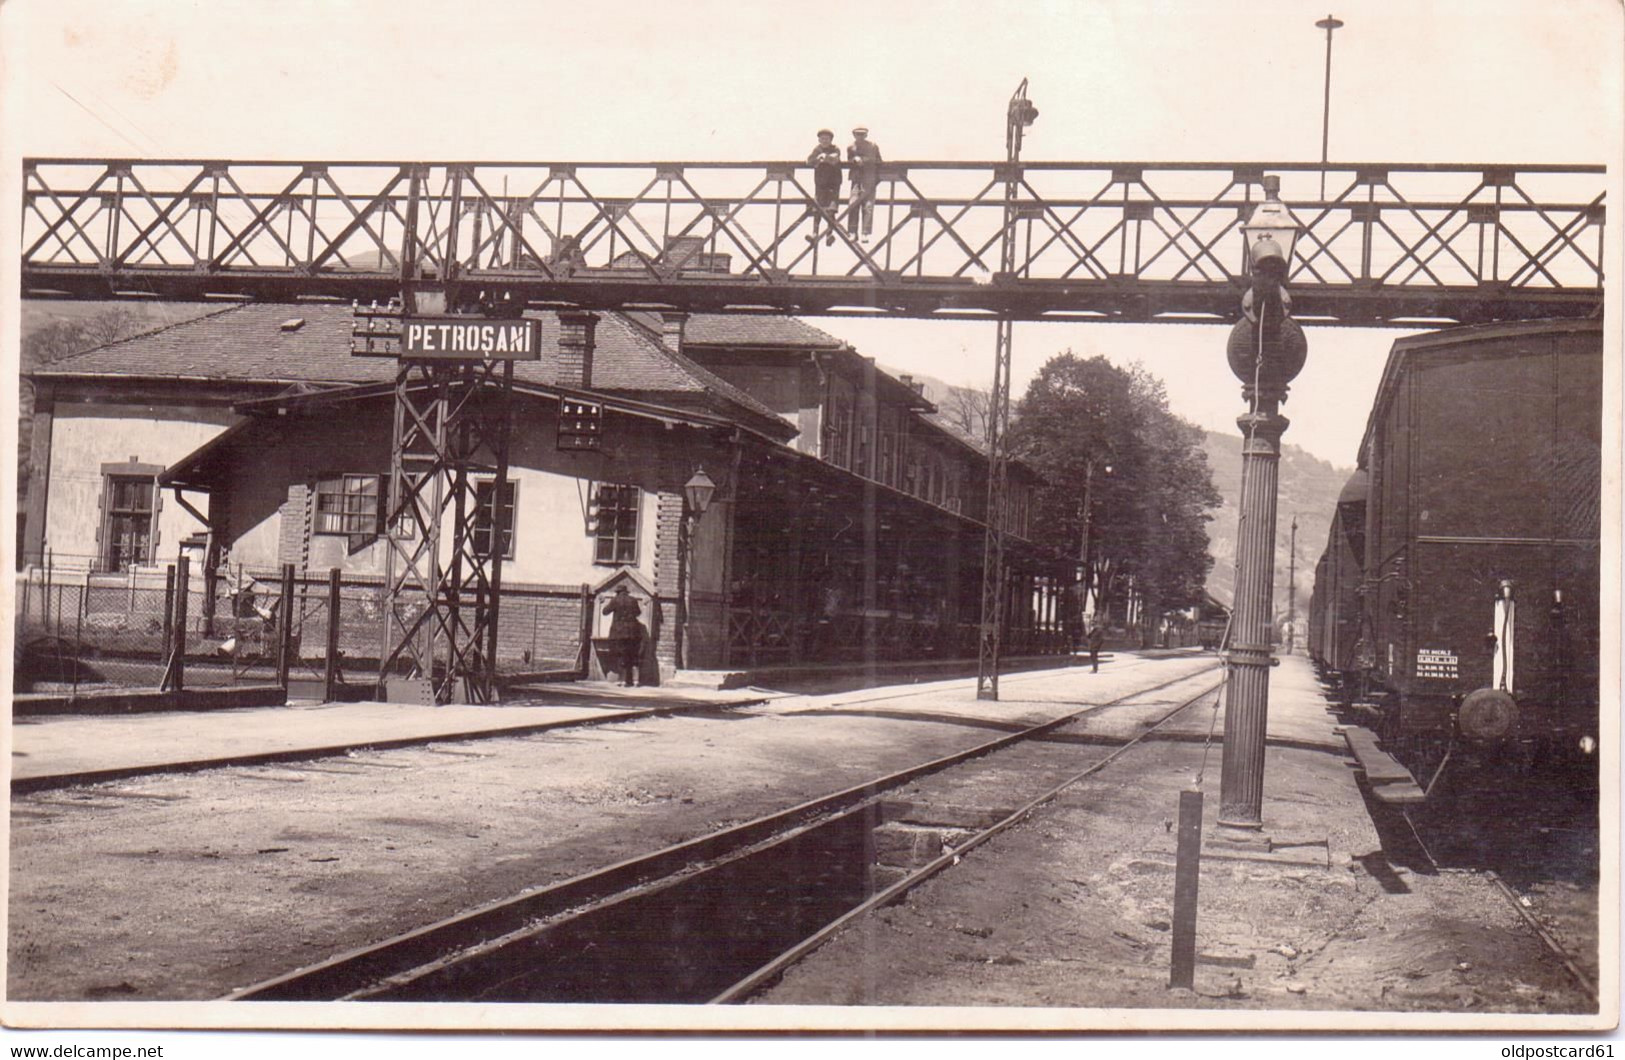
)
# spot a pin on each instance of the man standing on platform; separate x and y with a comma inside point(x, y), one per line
point(1097, 637)
point(626, 631)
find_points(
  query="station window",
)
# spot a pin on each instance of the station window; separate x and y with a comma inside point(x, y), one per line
point(615, 523)
point(838, 435)
point(485, 514)
point(129, 510)
point(351, 505)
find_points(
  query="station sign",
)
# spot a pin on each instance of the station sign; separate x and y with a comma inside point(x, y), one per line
point(452, 338)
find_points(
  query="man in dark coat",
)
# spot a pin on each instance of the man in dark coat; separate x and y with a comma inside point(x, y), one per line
point(625, 630)
point(826, 162)
point(1097, 637)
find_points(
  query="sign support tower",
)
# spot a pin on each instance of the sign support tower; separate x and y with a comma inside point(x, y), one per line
point(446, 520)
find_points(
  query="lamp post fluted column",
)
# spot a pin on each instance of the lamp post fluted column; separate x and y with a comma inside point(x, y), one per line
point(1241, 783)
point(1266, 351)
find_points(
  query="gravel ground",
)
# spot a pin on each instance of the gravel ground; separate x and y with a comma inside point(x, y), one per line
point(191, 886)
point(1073, 907)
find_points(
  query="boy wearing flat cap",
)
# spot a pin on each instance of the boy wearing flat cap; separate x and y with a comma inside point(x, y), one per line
point(826, 162)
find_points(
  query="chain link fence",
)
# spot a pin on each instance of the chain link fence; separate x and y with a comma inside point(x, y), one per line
point(80, 630)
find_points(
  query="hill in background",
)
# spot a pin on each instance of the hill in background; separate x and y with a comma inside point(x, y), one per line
point(1309, 488)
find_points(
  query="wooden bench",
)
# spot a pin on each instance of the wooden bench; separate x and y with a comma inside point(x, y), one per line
point(1390, 782)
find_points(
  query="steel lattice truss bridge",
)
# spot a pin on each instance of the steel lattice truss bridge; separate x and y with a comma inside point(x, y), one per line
point(1004, 241)
point(1399, 244)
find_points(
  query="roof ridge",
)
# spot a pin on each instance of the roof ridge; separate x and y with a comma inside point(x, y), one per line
point(706, 378)
point(151, 331)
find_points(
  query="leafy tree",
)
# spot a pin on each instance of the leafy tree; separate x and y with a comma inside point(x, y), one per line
point(1104, 437)
point(51, 342)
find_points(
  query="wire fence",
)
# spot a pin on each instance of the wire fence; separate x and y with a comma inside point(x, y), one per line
point(80, 630)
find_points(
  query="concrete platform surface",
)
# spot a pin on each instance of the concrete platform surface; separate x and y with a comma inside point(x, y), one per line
point(46, 751)
point(52, 751)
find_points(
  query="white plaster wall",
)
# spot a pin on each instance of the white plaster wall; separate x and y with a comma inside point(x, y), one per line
point(84, 437)
point(257, 548)
point(552, 543)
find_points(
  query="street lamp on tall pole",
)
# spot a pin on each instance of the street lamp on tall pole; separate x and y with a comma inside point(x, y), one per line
point(1329, 24)
point(1266, 351)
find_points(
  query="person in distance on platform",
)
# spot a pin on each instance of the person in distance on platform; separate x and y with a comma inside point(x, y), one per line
point(1097, 637)
point(864, 155)
point(826, 162)
point(626, 631)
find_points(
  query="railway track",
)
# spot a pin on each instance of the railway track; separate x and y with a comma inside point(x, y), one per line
point(1531, 835)
point(1536, 845)
point(716, 917)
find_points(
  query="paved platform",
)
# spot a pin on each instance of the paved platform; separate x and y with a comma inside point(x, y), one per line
point(59, 750)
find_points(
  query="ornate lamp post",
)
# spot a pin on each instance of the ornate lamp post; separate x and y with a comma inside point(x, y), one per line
point(1266, 351)
point(697, 494)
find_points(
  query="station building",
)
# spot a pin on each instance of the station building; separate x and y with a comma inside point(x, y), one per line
point(847, 523)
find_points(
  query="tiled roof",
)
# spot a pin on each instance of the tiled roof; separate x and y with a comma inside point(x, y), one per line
point(717, 329)
point(251, 343)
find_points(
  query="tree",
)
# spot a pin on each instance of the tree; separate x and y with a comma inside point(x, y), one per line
point(1142, 523)
point(52, 342)
point(966, 408)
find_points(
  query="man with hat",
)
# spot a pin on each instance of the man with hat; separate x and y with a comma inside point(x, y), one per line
point(826, 162)
point(626, 631)
point(864, 155)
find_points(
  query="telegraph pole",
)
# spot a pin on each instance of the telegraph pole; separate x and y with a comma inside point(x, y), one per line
point(1329, 24)
point(1018, 116)
point(1292, 589)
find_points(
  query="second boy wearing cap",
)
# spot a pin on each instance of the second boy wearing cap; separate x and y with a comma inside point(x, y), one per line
point(864, 155)
point(826, 162)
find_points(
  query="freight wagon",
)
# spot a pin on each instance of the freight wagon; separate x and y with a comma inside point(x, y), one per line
point(1467, 605)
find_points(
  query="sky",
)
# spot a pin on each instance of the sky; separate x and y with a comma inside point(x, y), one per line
point(1480, 81)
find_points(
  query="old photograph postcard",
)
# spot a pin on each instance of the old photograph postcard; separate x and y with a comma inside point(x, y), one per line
point(856, 518)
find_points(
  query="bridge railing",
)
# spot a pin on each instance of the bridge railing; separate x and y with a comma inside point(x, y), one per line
point(1131, 240)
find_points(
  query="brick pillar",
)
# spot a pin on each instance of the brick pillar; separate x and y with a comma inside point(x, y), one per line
point(293, 528)
point(577, 339)
point(668, 575)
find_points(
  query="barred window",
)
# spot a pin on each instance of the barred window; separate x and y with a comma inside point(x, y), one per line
point(615, 523)
point(485, 515)
point(350, 505)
